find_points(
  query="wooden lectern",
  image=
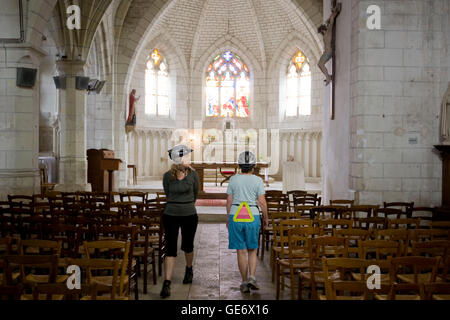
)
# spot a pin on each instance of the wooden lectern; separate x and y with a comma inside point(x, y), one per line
point(101, 167)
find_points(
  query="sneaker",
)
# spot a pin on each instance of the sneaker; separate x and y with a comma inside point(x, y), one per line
point(188, 276)
point(252, 284)
point(165, 292)
point(244, 287)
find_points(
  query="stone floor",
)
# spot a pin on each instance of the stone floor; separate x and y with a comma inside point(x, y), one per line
point(216, 274)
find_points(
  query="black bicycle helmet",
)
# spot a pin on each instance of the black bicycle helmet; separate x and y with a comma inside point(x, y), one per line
point(247, 160)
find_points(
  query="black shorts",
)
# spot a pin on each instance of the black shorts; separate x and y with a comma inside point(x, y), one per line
point(172, 225)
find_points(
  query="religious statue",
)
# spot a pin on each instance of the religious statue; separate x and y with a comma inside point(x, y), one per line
point(327, 30)
point(131, 121)
point(445, 118)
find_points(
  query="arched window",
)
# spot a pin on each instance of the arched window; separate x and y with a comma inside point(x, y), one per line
point(227, 87)
point(157, 86)
point(298, 86)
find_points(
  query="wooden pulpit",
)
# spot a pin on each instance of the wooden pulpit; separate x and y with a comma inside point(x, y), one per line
point(101, 167)
point(110, 165)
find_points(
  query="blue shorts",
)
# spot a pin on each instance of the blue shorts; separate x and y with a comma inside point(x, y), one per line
point(243, 235)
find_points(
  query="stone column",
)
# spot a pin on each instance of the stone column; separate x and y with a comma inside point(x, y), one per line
point(306, 155)
point(291, 145)
point(162, 151)
point(140, 156)
point(298, 151)
point(148, 154)
point(156, 148)
point(284, 151)
point(314, 155)
point(72, 106)
point(19, 124)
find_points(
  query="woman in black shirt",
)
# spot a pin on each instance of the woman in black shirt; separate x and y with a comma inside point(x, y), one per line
point(181, 188)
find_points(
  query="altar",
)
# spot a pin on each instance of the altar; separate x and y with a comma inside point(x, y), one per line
point(201, 166)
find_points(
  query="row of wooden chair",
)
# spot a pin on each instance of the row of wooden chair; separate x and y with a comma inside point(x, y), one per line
point(39, 274)
point(302, 247)
point(66, 241)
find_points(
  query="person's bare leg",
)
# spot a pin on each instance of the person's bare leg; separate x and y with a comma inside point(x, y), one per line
point(169, 262)
point(189, 259)
point(243, 264)
point(252, 262)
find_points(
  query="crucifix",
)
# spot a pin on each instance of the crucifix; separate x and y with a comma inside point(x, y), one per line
point(328, 30)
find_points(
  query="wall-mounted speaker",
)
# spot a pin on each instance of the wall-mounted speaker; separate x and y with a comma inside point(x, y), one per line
point(82, 83)
point(92, 84)
point(26, 77)
point(100, 86)
point(60, 82)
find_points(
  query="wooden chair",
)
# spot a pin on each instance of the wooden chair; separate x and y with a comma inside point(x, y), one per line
point(353, 236)
point(12, 293)
point(303, 211)
point(114, 285)
point(356, 212)
point(400, 235)
point(358, 289)
point(5, 249)
point(129, 235)
point(70, 238)
point(45, 185)
point(293, 195)
point(325, 212)
point(136, 197)
point(327, 226)
point(436, 291)
point(429, 234)
point(378, 252)
point(342, 203)
point(308, 200)
point(328, 246)
point(369, 223)
point(121, 250)
point(439, 248)
point(425, 215)
point(21, 209)
point(412, 223)
point(440, 225)
point(41, 247)
point(156, 236)
point(32, 264)
point(143, 252)
point(293, 240)
point(57, 291)
point(226, 174)
point(406, 207)
point(389, 213)
point(276, 202)
point(276, 248)
point(416, 264)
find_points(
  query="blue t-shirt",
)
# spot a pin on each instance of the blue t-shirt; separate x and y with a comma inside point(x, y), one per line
point(245, 188)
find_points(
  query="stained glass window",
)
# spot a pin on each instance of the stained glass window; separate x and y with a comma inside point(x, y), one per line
point(227, 87)
point(299, 79)
point(157, 85)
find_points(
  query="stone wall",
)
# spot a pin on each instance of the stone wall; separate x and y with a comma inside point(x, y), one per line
point(398, 77)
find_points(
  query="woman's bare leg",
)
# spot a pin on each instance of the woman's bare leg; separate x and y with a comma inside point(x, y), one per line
point(169, 262)
point(252, 261)
point(243, 264)
point(189, 259)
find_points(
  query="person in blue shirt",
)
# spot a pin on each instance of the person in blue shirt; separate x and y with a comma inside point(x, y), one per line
point(246, 197)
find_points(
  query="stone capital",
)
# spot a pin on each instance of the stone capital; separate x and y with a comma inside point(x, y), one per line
point(71, 68)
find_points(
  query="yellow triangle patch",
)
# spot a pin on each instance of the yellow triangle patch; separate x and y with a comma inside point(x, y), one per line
point(243, 214)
